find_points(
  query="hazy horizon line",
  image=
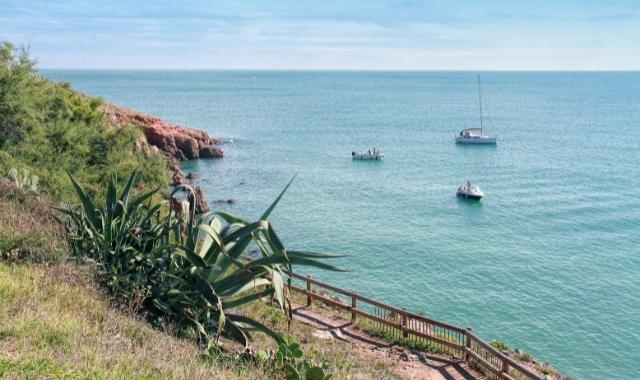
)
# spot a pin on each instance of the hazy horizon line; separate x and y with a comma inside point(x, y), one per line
point(341, 70)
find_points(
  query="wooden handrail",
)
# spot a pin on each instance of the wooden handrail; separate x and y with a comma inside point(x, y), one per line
point(466, 334)
point(380, 304)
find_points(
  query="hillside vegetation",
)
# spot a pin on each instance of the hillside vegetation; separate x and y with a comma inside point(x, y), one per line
point(49, 128)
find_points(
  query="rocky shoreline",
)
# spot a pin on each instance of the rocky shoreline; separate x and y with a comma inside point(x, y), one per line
point(175, 142)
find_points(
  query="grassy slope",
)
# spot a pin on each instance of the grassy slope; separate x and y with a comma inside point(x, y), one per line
point(53, 324)
point(56, 323)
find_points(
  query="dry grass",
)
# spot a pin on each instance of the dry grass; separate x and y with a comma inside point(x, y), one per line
point(28, 230)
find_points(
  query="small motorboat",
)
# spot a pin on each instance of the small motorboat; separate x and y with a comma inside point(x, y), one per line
point(469, 191)
point(371, 154)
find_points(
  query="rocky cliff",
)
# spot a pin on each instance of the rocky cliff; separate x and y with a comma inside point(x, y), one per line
point(175, 142)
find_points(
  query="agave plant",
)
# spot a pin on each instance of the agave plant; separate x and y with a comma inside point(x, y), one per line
point(211, 277)
point(129, 247)
point(197, 277)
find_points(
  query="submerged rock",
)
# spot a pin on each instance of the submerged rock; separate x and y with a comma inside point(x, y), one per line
point(229, 201)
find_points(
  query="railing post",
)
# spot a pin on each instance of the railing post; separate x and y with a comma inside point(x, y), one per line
point(505, 366)
point(308, 291)
point(404, 323)
point(353, 308)
point(467, 344)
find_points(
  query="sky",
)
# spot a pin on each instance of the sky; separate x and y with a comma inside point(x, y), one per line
point(327, 35)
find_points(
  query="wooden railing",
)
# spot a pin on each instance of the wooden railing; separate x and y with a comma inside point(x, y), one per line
point(415, 329)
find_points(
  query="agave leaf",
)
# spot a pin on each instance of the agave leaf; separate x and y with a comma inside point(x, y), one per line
point(257, 325)
point(191, 256)
point(124, 196)
point(111, 197)
point(278, 285)
point(210, 237)
point(273, 205)
point(293, 260)
point(235, 332)
point(314, 255)
point(230, 218)
point(140, 199)
point(207, 291)
point(246, 299)
point(89, 208)
point(241, 288)
point(245, 231)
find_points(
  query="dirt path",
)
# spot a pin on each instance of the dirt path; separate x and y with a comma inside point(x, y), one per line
point(407, 363)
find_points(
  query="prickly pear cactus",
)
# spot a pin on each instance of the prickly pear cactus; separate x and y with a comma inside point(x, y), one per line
point(24, 181)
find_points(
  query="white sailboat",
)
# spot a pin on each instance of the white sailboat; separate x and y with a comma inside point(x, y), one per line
point(475, 135)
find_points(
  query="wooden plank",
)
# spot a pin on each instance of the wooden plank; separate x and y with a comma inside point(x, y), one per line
point(377, 319)
point(436, 339)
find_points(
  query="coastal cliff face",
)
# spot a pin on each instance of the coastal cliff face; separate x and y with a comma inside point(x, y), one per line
point(175, 142)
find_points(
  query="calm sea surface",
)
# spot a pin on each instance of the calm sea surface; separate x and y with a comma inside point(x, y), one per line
point(549, 261)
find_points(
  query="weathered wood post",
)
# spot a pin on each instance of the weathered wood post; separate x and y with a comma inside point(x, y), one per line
point(308, 291)
point(405, 334)
point(467, 344)
point(353, 308)
point(505, 366)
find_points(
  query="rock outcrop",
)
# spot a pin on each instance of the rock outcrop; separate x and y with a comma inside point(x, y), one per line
point(210, 151)
point(172, 139)
point(177, 143)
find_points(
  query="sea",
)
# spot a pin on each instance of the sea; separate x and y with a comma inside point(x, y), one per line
point(548, 261)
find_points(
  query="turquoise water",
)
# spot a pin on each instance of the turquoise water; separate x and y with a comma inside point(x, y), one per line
point(549, 261)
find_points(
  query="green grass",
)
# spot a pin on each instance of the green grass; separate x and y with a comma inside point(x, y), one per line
point(502, 346)
point(55, 326)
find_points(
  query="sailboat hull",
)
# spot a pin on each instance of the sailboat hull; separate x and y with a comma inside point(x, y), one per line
point(476, 140)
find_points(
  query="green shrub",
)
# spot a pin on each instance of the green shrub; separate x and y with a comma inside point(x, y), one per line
point(500, 345)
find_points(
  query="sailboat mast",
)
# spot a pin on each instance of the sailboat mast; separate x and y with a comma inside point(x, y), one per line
point(480, 103)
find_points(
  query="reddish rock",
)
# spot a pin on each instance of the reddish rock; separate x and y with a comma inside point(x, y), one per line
point(201, 201)
point(187, 144)
point(210, 151)
point(180, 142)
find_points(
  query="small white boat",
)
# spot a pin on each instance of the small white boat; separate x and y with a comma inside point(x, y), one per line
point(371, 154)
point(469, 191)
point(476, 135)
